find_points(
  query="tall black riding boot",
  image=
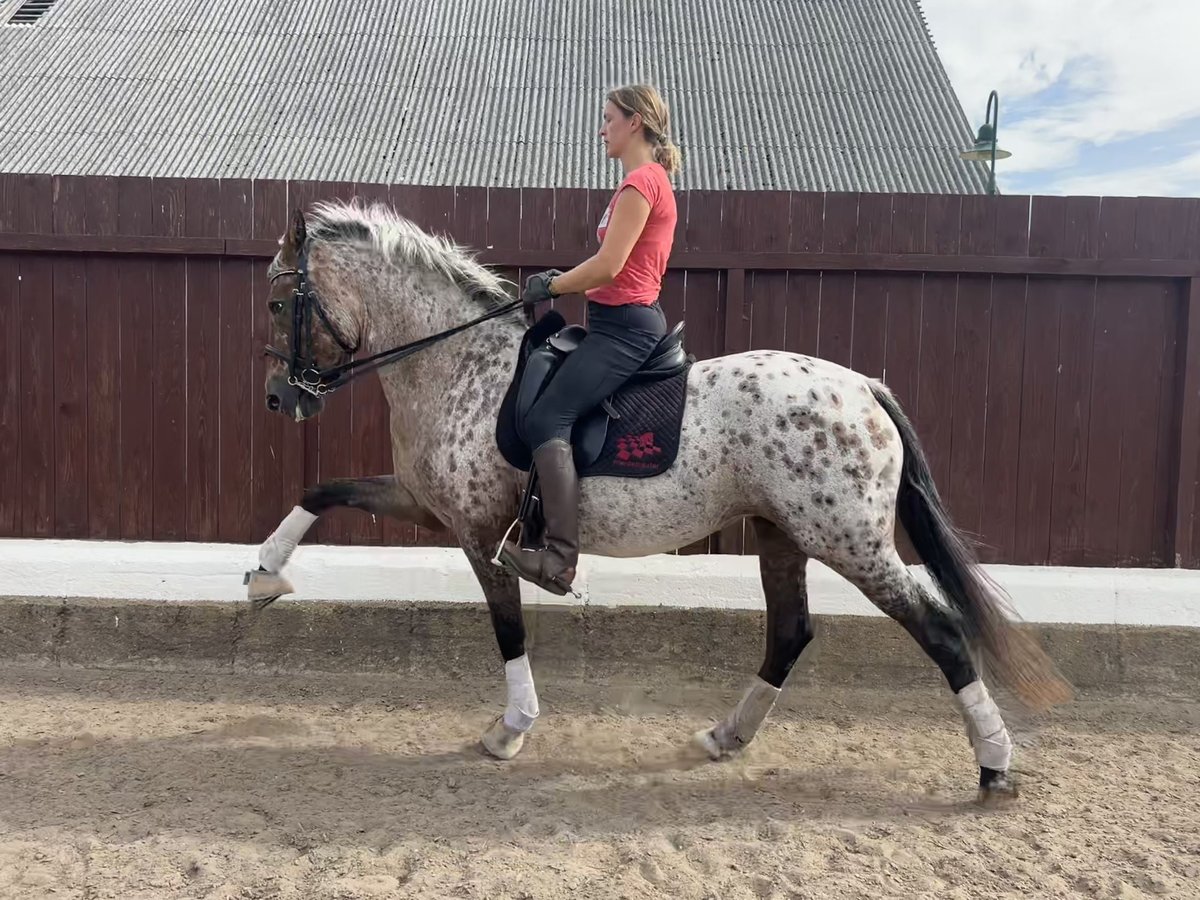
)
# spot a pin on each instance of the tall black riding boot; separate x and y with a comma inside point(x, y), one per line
point(552, 569)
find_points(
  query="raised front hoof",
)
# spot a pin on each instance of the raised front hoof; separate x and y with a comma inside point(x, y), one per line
point(263, 588)
point(501, 741)
point(996, 788)
point(707, 741)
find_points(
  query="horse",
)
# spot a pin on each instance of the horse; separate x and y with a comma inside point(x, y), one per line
point(820, 459)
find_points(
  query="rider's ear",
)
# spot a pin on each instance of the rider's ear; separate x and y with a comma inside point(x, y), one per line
point(298, 231)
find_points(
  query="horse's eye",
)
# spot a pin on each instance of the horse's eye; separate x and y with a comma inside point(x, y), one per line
point(276, 307)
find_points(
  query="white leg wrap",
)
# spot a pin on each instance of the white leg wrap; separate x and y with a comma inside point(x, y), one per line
point(276, 550)
point(740, 726)
point(985, 727)
point(522, 709)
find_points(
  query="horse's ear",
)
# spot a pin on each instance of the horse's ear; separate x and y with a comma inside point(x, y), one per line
point(298, 231)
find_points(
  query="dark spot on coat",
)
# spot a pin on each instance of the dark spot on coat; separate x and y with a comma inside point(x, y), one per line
point(814, 396)
point(745, 438)
point(836, 399)
point(781, 423)
point(711, 379)
point(821, 440)
point(453, 463)
point(769, 452)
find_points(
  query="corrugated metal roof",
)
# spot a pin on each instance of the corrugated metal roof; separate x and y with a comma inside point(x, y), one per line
point(764, 94)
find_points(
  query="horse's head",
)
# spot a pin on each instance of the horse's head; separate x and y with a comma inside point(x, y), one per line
point(314, 333)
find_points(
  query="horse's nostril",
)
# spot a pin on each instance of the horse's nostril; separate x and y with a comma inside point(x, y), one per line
point(272, 403)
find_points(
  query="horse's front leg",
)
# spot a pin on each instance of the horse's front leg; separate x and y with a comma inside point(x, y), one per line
point(502, 590)
point(379, 495)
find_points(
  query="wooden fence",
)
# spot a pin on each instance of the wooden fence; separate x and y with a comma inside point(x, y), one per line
point(1046, 348)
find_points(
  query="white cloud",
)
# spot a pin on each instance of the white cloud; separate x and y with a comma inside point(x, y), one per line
point(1129, 66)
point(1176, 179)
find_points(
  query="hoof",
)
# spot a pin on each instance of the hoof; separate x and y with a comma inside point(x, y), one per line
point(996, 788)
point(264, 588)
point(707, 741)
point(501, 741)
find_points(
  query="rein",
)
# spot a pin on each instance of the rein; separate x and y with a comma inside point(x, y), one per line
point(303, 371)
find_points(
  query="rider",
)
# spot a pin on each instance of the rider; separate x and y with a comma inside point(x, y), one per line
point(625, 322)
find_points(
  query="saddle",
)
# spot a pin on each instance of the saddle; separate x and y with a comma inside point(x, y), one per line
point(634, 433)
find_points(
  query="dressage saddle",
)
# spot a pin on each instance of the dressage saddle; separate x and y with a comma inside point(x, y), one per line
point(546, 345)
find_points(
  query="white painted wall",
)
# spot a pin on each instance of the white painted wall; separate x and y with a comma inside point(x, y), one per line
point(187, 571)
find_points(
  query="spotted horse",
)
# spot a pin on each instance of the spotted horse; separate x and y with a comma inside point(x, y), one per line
point(821, 460)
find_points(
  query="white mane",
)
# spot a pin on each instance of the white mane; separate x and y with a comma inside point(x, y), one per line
point(402, 242)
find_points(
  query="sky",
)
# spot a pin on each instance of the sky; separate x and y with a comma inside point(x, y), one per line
point(1096, 97)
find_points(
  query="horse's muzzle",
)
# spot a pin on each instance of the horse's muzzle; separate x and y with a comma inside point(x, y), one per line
point(288, 400)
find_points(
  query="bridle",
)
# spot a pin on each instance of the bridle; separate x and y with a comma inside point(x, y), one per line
point(304, 372)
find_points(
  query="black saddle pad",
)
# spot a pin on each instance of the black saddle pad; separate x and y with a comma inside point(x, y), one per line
point(644, 441)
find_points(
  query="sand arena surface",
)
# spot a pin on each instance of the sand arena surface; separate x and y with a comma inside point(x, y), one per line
point(148, 785)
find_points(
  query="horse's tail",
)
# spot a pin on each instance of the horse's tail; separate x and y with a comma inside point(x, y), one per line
point(1010, 653)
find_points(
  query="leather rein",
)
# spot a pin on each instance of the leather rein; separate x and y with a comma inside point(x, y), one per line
point(304, 372)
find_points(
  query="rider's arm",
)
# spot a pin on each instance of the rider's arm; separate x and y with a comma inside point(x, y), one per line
point(629, 216)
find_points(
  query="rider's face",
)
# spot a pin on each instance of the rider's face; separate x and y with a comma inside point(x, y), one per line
point(617, 130)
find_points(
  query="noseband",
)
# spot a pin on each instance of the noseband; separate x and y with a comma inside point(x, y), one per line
point(304, 372)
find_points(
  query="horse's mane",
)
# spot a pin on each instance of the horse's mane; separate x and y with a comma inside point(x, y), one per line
point(400, 241)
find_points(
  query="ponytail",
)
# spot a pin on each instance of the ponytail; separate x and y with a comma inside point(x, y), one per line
point(666, 154)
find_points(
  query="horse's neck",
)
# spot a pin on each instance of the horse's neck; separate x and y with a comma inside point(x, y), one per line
point(447, 378)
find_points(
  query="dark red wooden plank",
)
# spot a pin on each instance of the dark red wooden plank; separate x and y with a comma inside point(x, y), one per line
point(470, 223)
point(35, 204)
point(235, 392)
point(504, 218)
point(1082, 220)
point(536, 226)
point(39, 355)
point(10, 395)
point(908, 223)
point(70, 399)
point(437, 205)
point(835, 340)
point(978, 223)
point(869, 349)
point(103, 322)
point(935, 374)
point(1168, 443)
point(70, 204)
point(271, 448)
point(1109, 402)
point(807, 217)
point(901, 357)
point(938, 326)
point(1002, 428)
point(135, 215)
point(768, 296)
point(9, 197)
point(203, 328)
point(1047, 227)
point(704, 229)
point(874, 223)
point(968, 407)
point(803, 312)
point(135, 206)
point(1185, 534)
point(1012, 226)
point(100, 205)
point(574, 226)
point(169, 308)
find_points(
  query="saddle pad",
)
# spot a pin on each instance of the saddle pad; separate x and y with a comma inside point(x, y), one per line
point(644, 441)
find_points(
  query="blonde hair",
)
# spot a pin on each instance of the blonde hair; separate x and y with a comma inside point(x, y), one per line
point(645, 101)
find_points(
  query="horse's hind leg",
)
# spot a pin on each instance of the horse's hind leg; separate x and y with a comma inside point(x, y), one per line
point(889, 584)
point(380, 494)
point(781, 566)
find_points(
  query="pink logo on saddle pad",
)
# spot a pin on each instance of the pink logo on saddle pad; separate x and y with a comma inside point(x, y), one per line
point(637, 450)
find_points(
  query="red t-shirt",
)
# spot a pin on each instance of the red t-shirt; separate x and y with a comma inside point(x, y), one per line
point(640, 279)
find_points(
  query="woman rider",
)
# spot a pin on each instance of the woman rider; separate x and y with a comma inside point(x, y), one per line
point(625, 322)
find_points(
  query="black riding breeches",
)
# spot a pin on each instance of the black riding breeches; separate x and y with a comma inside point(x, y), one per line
point(619, 340)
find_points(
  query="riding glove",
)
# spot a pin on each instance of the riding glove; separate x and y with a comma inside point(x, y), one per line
point(537, 287)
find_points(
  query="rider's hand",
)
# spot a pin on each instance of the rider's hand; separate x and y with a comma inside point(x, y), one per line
point(537, 287)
